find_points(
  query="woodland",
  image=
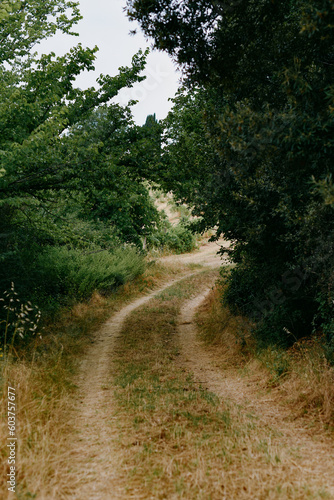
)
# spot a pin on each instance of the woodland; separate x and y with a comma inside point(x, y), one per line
point(248, 145)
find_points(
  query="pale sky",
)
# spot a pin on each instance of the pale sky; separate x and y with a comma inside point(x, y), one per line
point(105, 24)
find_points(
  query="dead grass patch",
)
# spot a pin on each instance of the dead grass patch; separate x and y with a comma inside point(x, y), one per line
point(299, 377)
point(228, 334)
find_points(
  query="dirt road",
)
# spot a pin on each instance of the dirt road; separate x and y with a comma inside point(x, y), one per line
point(206, 255)
point(314, 462)
point(95, 460)
point(98, 468)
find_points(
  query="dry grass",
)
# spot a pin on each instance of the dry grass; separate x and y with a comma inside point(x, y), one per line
point(177, 439)
point(300, 377)
point(41, 420)
point(309, 384)
point(42, 376)
point(229, 334)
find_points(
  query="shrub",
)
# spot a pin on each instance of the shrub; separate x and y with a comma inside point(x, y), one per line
point(281, 309)
point(178, 239)
point(61, 272)
point(56, 275)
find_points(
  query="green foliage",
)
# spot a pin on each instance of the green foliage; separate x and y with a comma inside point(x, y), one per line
point(61, 145)
point(325, 188)
point(178, 239)
point(23, 24)
point(56, 275)
point(73, 202)
point(119, 196)
point(63, 273)
point(277, 361)
point(250, 146)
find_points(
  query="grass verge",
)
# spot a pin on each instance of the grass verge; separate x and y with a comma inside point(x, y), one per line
point(176, 438)
point(299, 377)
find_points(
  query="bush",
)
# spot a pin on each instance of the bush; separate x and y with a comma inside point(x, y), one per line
point(56, 275)
point(62, 273)
point(178, 239)
point(280, 307)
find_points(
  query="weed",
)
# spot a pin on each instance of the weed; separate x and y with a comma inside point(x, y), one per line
point(21, 323)
point(277, 361)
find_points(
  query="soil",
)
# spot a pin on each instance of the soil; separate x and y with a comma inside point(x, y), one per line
point(95, 461)
point(206, 255)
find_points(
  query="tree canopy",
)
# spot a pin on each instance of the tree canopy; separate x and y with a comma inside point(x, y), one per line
point(249, 143)
point(72, 161)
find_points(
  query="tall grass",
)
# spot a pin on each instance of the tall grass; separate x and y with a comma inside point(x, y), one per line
point(62, 272)
point(59, 276)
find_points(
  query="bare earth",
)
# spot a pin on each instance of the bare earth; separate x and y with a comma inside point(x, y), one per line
point(95, 460)
point(206, 255)
point(96, 464)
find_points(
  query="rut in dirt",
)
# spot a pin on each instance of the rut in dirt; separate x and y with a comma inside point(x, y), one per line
point(95, 460)
point(314, 462)
point(99, 469)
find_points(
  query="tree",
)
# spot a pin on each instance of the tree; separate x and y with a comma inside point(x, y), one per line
point(24, 24)
point(113, 189)
point(71, 161)
point(264, 71)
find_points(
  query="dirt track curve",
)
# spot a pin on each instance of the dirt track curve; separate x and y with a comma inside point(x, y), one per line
point(315, 461)
point(96, 463)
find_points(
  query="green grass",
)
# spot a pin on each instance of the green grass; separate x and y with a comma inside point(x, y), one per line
point(71, 273)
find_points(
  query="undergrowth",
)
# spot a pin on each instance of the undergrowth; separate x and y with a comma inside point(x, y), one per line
point(176, 239)
point(62, 274)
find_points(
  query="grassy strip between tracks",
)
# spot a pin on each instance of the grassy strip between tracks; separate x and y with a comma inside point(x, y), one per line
point(177, 439)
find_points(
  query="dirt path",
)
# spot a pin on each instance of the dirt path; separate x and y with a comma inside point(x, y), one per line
point(97, 465)
point(314, 462)
point(206, 255)
point(95, 462)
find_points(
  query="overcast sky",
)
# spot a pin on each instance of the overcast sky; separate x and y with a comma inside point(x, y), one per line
point(105, 24)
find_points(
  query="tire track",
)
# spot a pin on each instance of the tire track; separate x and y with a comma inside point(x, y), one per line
point(95, 461)
point(96, 466)
point(314, 464)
